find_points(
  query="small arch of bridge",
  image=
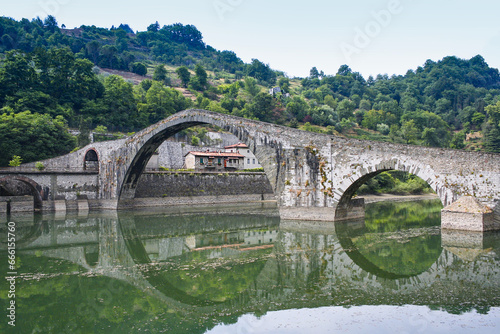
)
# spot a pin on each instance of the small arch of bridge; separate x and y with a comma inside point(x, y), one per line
point(352, 184)
point(36, 190)
point(91, 160)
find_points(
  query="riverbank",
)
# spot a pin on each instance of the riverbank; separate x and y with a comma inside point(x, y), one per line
point(397, 198)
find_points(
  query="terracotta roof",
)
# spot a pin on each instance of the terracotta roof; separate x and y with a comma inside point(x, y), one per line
point(216, 154)
point(239, 145)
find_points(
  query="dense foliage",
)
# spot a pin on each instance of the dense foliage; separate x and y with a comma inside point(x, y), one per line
point(43, 135)
point(57, 73)
point(395, 182)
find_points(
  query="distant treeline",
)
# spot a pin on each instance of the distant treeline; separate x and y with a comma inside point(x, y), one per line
point(52, 75)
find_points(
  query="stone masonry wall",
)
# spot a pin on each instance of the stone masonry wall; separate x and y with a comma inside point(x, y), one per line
point(182, 184)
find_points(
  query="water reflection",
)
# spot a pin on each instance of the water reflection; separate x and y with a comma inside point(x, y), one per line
point(395, 240)
point(187, 272)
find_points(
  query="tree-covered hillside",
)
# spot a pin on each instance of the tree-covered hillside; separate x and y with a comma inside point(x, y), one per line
point(58, 76)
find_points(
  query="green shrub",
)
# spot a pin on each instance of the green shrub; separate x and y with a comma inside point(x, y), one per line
point(40, 166)
point(16, 161)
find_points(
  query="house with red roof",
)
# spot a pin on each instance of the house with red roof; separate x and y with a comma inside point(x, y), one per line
point(216, 161)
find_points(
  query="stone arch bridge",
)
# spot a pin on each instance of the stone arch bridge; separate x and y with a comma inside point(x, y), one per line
point(311, 174)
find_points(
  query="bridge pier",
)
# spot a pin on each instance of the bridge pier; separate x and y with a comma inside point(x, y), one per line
point(468, 214)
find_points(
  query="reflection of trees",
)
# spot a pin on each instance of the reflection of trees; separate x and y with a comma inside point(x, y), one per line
point(64, 299)
point(391, 216)
point(217, 280)
point(395, 240)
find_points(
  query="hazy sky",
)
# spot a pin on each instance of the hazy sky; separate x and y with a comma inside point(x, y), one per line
point(371, 36)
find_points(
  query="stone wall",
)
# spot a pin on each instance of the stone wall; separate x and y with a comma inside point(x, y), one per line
point(187, 184)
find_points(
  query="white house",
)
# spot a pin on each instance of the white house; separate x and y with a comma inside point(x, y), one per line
point(250, 161)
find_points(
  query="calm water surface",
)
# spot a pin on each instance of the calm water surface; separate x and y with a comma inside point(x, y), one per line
point(242, 270)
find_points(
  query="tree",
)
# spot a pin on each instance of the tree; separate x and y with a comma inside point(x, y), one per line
point(284, 84)
point(154, 27)
point(251, 86)
point(183, 74)
point(261, 72)
point(118, 105)
point(139, 68)
point(330, 101)
point(492, 128)
point(126, 28)
point(478, 119)
point(409, 131)
point(92, 51)
point(199, 81)
point(33, 136)
point(297, 108)
point(50, 23)
point(262, 107)
point(313, 73)
point(195, 141)
point(187, 34)
point(345, 109)
point(458, 140)
point(344, 70)
point(491, 138)
point(160, 73)
point(161, 102)
point(16, 74)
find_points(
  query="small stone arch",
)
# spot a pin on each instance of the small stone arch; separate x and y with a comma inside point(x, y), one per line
point(36, 190)
point(91, 160)
point(351, 185)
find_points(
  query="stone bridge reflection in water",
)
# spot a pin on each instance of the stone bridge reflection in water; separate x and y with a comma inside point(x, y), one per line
point(188, 272)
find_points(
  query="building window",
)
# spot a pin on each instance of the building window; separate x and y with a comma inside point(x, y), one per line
point(254, 161)
point(201, 161)
point(219, 161)
point(248, 161)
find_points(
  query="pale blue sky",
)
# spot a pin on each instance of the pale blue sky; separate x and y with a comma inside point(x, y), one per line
point(371, 36)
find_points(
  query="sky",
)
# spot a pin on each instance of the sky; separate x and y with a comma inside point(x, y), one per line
point(370, 36)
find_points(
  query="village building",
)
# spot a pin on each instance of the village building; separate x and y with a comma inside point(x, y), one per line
point(249, 160)
point(275, 90)
point(213, 161)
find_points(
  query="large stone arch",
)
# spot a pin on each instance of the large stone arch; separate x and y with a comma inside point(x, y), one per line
point(36, 190)
point(134, 156)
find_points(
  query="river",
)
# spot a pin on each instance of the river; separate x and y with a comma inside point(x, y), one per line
point(239, 269)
